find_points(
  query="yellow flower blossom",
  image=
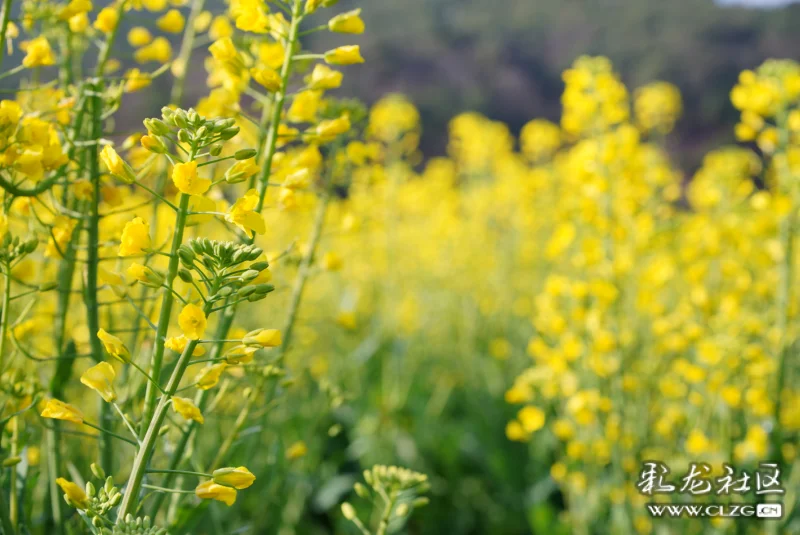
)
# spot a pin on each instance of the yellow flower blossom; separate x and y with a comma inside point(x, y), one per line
point(114, 346)
point(135, 237)
point(349, 22)
point(171, 22)
point(208, 490)
point(187, 409)
point(38, 54)
point(58, 410)
point(184, 176)
point(263, 338)
point(107, 19)
point(101, 379)
point(239, 478)
point(209, 376)
point(344, 55)
point(73, 494)
point(192, 321)
point(244, 216)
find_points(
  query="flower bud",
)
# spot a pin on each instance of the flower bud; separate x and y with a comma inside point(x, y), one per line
point(185, 275)
point(97, 470)
point(244, 154)
point(215, 150)
point(184, 137)
point(156, 127)
point(348, 511)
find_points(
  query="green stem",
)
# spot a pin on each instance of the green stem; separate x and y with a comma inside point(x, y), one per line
point(185, 53)
point(183, 472)
point(277, 106)
point(13, 503)
point(93, 261)
point(386, 516)
point(5, 521)
point(5, 14)
point(166, 311)
point(147, 448)
point(6, 312)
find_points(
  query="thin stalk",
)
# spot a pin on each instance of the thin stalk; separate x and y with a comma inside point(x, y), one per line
point(166, 311)
point(5, 521)
point(93, 261)
point(6, 311)
point(386, 515)
point(185, 53)
point(147, 448)
point(277, 106)
point(13, 503)
point(5, 14)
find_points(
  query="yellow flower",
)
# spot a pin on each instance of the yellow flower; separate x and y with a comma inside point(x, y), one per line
point(331, 261)
point(79, 23)
point(209, 490)
point(139, 36)
point(304, 107)
point(224, 50)
point(330, 129)
point(209, 376)
point(184, 175)
point(101, 379)
point(58, 410)
point(38, 54)
point(296, 450)
point(240, 354)
point(344, 55)
point(349, 22)
point(135, 237)
point(178, 344)
point(263, 338)
point(136, 80)
point(171, 22)
point(243, 214)
point(532, 418)
point(73, 494)
point(186, 408)
point(107, 20)
point(192, 321)
point(159, 50)
point(323, 77)
point(238, 478)
point(267, 77)
point(115, 164)
point(114, 346)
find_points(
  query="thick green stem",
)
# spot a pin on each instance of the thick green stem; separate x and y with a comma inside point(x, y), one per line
point(166, 311)
point(5, 521)
point(93, 261)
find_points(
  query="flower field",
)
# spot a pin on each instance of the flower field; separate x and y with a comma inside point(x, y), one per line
point(267, 311)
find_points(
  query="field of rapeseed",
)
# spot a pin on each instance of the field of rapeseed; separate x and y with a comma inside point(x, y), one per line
point(268, 312)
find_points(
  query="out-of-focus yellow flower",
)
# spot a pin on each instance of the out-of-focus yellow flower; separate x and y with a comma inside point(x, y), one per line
point(135, 237)
point(304, 107)
point(532, 418)
point(160, 50)
point(239, 478)
point(296, 450)
point(267, 77)
point(209, 490)
point(73, 494)
point(100, 378)
point(263, 338)
point(209, 376)
point(136, 80)
point(331, 261)
point(344, 55)
point(192, 321)
point(139, 36)
point(186, 408)
point(349, 22)
point(325, 78)
point(58, 410)
point(114, 346)
point(184, 176)
point(38, 53)
point(107, 20)
point(330, 129)
point(171, 22)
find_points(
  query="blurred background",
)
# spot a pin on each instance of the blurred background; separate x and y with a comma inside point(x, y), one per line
point(504, 58)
